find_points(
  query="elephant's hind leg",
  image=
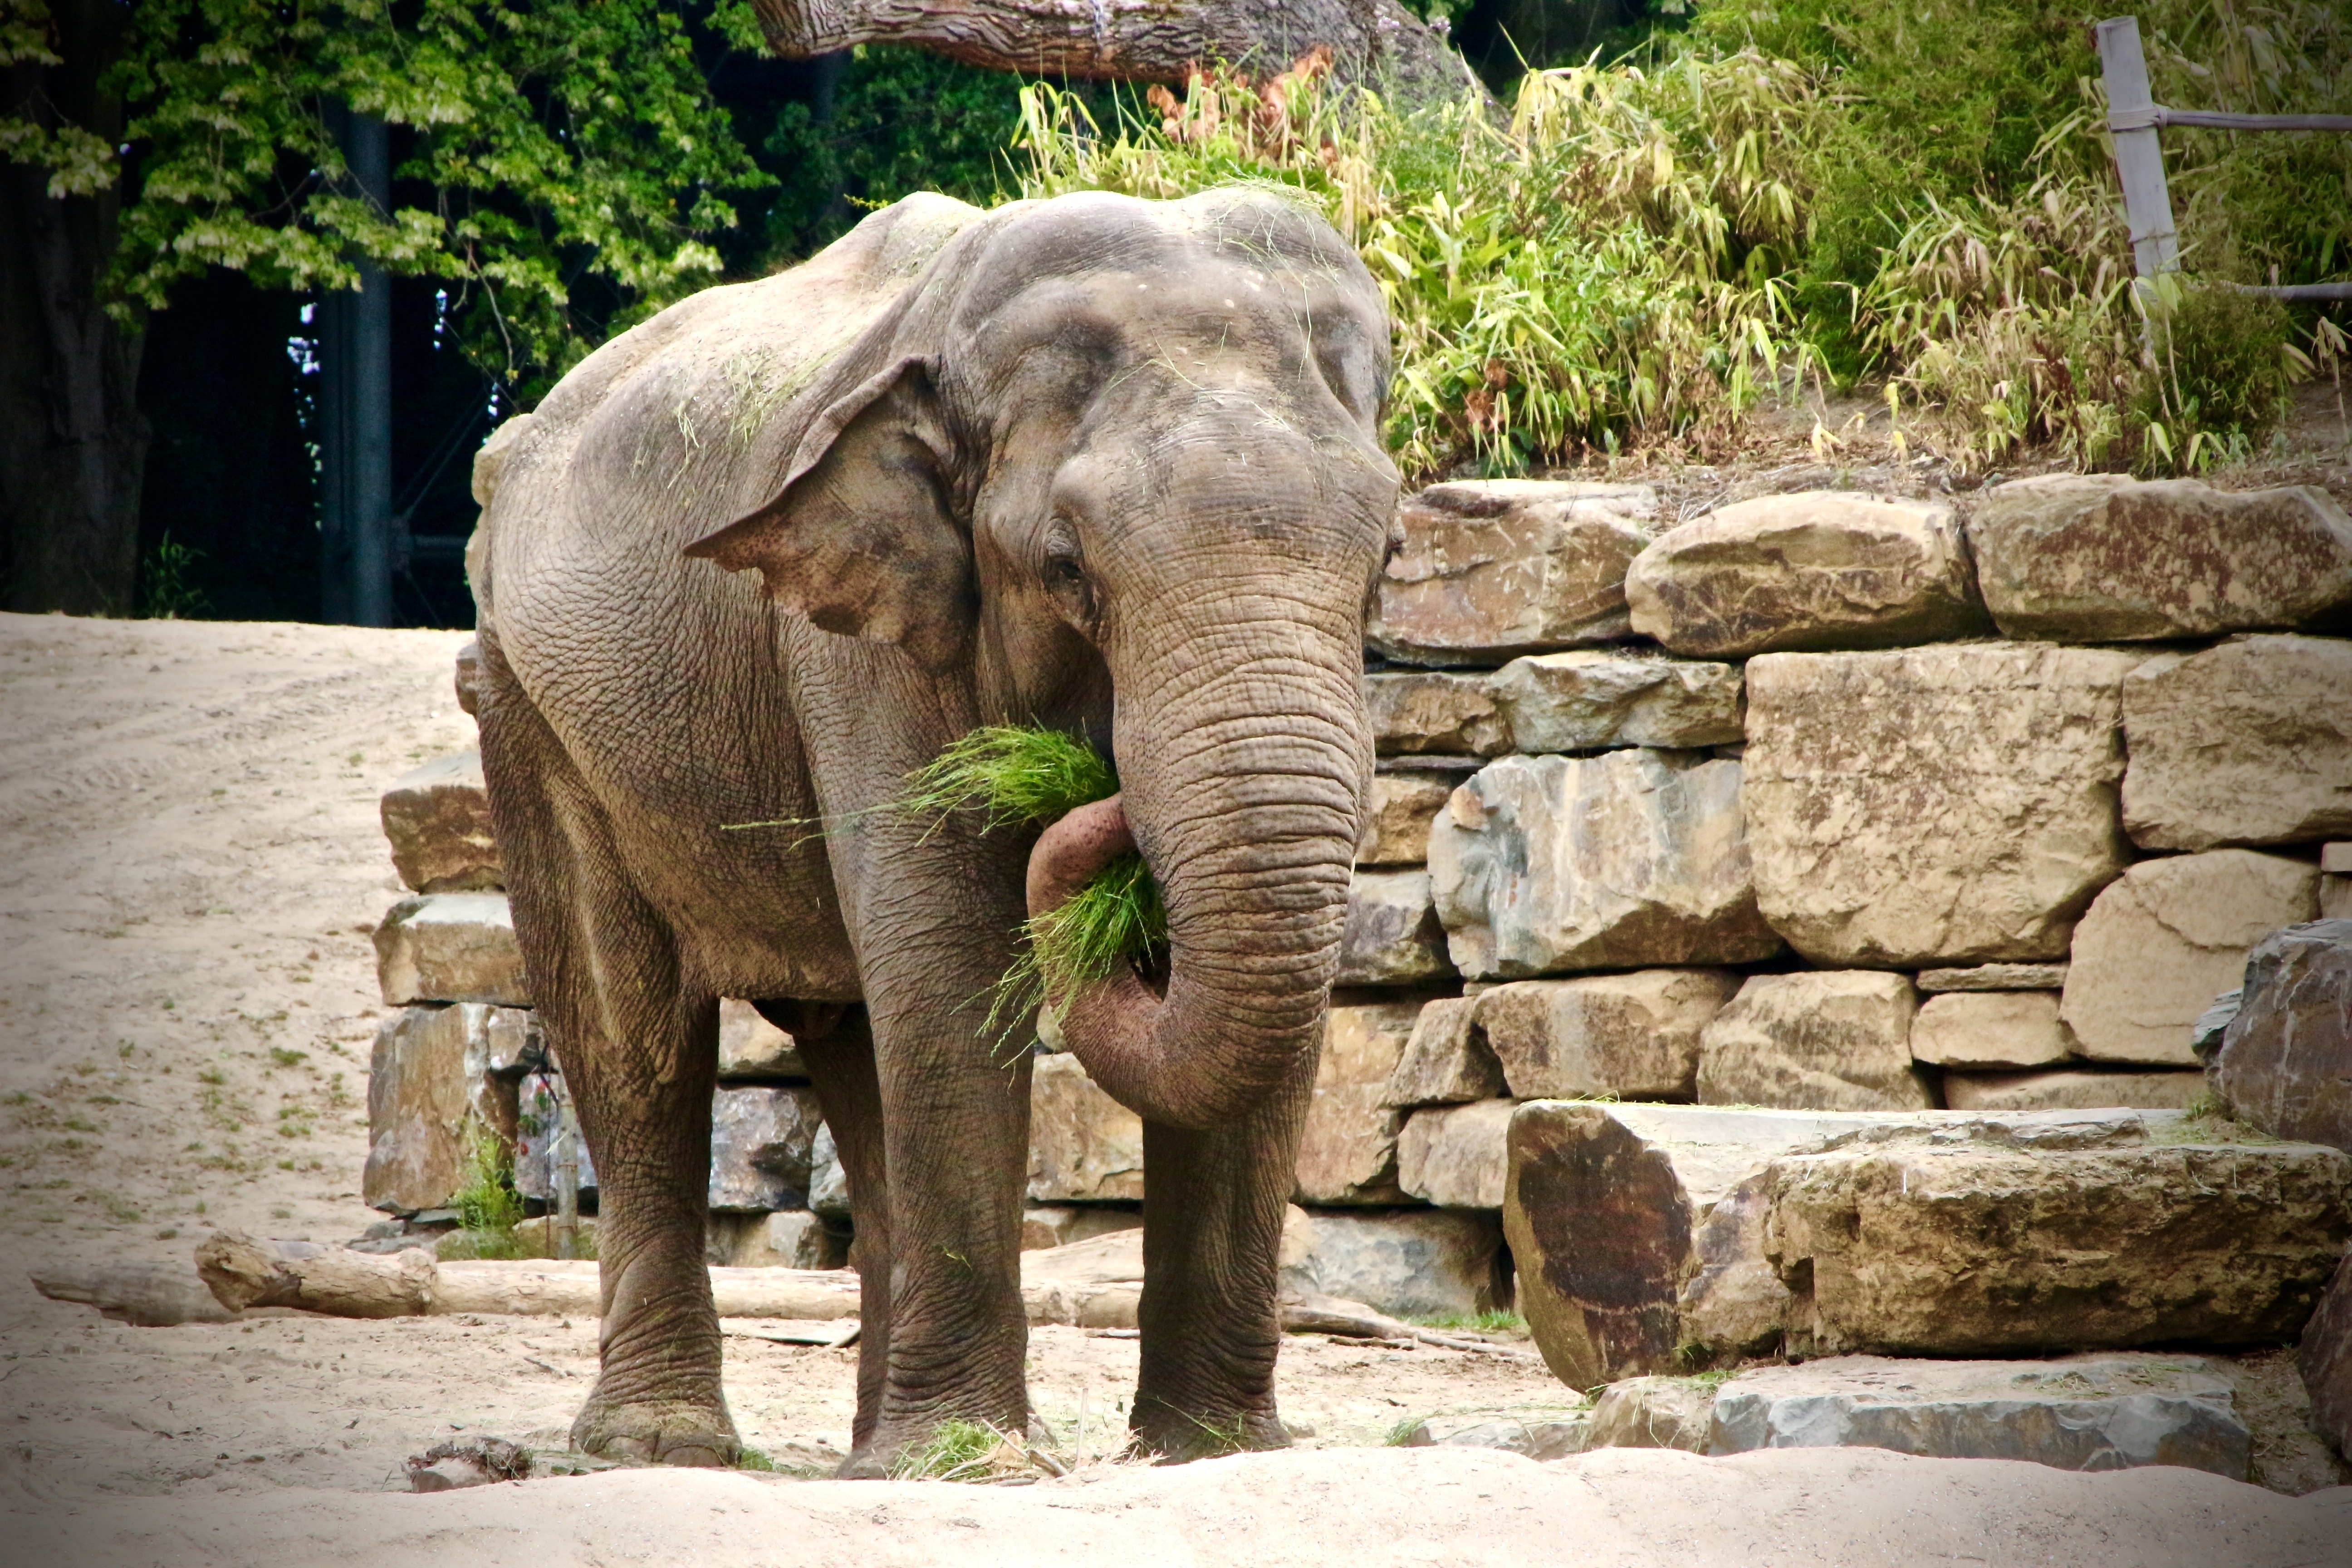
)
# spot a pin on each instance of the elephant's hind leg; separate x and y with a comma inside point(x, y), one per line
point(638, 1047)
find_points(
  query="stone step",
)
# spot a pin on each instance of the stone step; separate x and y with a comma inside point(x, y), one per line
point(436, 818)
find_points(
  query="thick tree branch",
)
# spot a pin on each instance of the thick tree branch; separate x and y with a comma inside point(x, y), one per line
point(1376, 44)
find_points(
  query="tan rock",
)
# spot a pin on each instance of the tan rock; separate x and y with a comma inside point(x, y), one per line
point(1457, 1157)
point(1420, 713)
point(2099, 558)
point(437, 1073)
point(2250, 742)
point(1397, 817)
point(1934, 806)
point(1632, 1035)
point(1815, 1040)
point(1446, 1059)
point(450, 947)
point(1653, 1413)
point(2167, 938)
point(1994, 977)
point(1588, 699)
point(1826, 569)
point(1603, 1208)
point(437, 818)
point(2072, 1091)
point(1083, 1144)
point(1347, 1153)
point(1542, 865)
point(1979, 1031)
point(1060, 1225)
point(753, 1051)
point(1496, 567)
point(1946, 1248)
point(793, 1238)
point(1392, 936)
point(1420, 1263)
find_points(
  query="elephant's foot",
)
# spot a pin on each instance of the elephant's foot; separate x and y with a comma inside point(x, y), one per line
point(657, 1432)
point(1170, 1437)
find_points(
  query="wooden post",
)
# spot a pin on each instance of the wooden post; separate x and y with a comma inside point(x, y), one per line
point(2139, 157)
point(563, 1173)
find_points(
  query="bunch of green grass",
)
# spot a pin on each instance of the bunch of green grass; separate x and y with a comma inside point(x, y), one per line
point(1019, 776)
point(488, 1207)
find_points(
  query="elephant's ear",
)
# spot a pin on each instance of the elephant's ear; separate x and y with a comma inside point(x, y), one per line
point(862, 539)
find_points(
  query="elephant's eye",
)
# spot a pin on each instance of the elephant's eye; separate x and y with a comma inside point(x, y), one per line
point(1066, 569)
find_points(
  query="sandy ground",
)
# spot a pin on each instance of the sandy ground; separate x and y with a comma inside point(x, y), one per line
point(189, 869)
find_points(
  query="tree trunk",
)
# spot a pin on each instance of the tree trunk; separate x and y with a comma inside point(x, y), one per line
point(1375, 43)
point(72, 445)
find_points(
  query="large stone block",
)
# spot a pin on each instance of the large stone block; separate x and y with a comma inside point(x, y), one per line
point(1826, 569)
point(1457, 1157)
point(1994, 977)
point(761, 1142)
point(437, 819)
point(1973, 1249)
point(793, 1238)
point(2106, 1412)
point(1392, 936)
point(2166, 938)
point(2324, 1357)
point(1934, 805)
point(1407, 1262)
point(1065, 1225)
point(1397, 817)
point(1636, 1035)
point(1496, 567)
point(753, 1051)
point(2100, 558)
point(1815, 1040)
point(1347, 1153)
point(450, 947)
point(828, 1183)
point(435, 1073)
point(2164, 1090)
point(1593, 698)
point(1990, 1031)
point(2285, 1063)
point(1425, 713)
point(1544, 865)
point(1652, 1413)
point(1603, 1210)
point(1083, 1144)
point(2250, 742)
point(1446, 1059)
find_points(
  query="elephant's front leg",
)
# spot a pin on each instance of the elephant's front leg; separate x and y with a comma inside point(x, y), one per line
point(1212, 1212)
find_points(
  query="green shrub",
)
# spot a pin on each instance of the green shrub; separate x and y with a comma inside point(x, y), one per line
point(488, 1207)
point(2223, 367)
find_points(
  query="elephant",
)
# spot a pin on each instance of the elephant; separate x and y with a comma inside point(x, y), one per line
point(1094, 463)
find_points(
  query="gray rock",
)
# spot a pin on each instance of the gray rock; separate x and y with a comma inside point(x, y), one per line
point(1815, 1040)
point(1540, 1439)
point(1404, 1262)
point(1446, 1059)
point(1995, 1031)
point(2250, 742)
point(1423, 713)
point(1083, 1144)
point(762, 1140)
point(1457, 1156)
point(828, 1187)
point(2205, 1034)
point(793, 1238)
point(1634, 1037)
point(1994, 977)
point(1392, 936)
point(1631, 859)
point(437, 820)
point(1824, 569)
point(1498, 567)
point(2161, 941)
point(2083, 1413)
point(1933, 806)
point(1397, 817)
point(540, 1113)
point(450, 947)
point(1590, 700)
point(753, 1051)
point(2336, 881)
point(2162, 1089)
point(1652, 1413)
point(435, 1074)
point(2324, 1358)
point(2285, 1062)
point(2100, 558)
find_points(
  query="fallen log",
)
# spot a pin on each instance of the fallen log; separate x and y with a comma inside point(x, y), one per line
point(335, 1280)
point(1353, 1319)
point(146, 1295)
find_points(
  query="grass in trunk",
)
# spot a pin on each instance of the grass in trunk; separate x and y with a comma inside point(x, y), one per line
point(1017, 776)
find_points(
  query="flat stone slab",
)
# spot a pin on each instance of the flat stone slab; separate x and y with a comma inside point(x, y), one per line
point(2074, 1089)
point(1994, 977)
point(1446, 1059)
point(450, 947)
point(2108, 1412)
point(1815, 1040)
point(1408, 1262)
point(1456, 1157)
point(436, 818)
point(2250, 742)
point(1996, 1031)
point(1593, 698)
point(1429, 712)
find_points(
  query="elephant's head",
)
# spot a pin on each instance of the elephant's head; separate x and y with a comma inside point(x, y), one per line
point(1119, 460)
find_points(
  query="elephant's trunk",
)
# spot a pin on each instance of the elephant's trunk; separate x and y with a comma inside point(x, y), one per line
point(1250, 827)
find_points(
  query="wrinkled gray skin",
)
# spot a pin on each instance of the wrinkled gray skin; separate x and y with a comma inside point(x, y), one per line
point(1093, 463)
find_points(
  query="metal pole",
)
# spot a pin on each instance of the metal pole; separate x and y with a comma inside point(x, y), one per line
point(565, 1173)
point(355, 544)
point(2139, 156)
